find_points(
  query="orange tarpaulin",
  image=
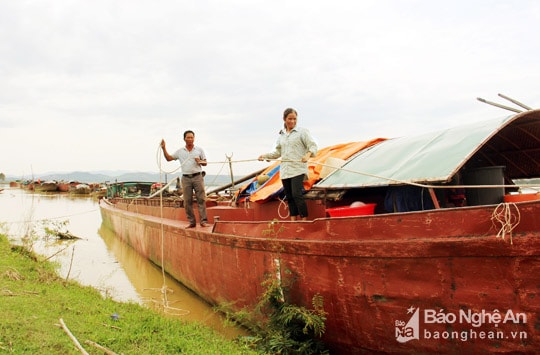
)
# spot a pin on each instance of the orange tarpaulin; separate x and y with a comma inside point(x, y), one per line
point(315, 166)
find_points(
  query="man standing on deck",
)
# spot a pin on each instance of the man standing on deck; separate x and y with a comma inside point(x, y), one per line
point(192, 159)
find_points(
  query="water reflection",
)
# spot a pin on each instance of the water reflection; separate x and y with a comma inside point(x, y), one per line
point(99, 259)
point(157, 289)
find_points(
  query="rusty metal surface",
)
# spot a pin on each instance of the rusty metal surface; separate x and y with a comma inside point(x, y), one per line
point(368, 269)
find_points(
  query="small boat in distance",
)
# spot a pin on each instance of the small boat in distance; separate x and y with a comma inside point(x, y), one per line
point(64, 186)
point(410, 243)
point(80, 189)
point(46, 186)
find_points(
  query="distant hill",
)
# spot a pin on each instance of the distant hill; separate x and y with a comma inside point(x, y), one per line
point(112, 176)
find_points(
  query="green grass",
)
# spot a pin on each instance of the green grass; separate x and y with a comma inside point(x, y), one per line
point(33, 299)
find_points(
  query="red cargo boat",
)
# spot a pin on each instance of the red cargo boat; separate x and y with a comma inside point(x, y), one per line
point(442, 264)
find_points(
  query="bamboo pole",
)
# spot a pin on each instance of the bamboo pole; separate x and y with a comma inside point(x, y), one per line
point(100, 347)
point(516, 102)
point(245, 178)
point(499, 105)
point(75, 341)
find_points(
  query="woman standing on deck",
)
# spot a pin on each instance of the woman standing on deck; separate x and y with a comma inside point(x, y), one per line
point(295, 146)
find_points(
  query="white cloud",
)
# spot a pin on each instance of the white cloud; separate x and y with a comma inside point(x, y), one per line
point(96, 85)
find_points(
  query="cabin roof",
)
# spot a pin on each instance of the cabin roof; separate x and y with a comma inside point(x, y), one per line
point(512, 142)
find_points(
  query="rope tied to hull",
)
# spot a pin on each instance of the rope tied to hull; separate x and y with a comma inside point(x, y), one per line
point(505, 219)
point(164, 304)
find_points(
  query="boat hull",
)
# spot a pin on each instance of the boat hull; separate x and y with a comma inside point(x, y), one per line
point(46, 187)
point(373, 272)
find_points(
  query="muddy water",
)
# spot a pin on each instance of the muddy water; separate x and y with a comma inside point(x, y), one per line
point(98, 259)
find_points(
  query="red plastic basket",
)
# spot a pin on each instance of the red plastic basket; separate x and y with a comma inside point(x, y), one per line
point(367, 209)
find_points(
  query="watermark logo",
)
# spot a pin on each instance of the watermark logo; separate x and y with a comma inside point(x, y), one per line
point(426, 324)
point(406, 331)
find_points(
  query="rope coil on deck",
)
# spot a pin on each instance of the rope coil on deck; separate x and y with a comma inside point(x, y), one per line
point(283, 203)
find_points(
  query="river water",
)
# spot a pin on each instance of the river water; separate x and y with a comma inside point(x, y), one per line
point(98, 258)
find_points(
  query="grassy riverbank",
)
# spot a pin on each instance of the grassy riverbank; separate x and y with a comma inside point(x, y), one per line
point(34, 302)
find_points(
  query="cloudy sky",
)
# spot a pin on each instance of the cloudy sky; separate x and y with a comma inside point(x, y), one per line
point(95, 85)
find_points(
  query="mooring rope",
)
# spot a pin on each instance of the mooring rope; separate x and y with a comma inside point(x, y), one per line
point(502, 215)
point(164, 290)
point(390, 180)
point(283, 203)
point(50, 218)
point(158, 160)
point(427, 186)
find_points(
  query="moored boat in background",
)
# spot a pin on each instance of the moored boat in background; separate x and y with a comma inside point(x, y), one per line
point(63, 186)
point(410, 242)
point(46, 186)
point(80, 189)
